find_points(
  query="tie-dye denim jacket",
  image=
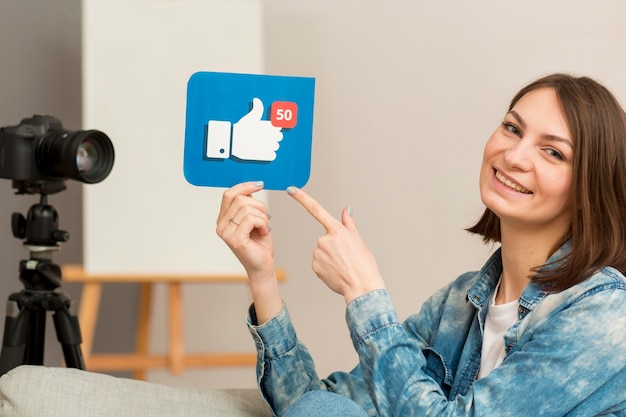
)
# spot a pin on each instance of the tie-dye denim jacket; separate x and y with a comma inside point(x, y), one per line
point(566, 356)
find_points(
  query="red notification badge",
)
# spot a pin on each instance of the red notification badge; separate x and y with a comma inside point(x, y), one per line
point(284, 114)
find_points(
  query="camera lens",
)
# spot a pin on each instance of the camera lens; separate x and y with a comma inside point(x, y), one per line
point(86, 156)
point(82, 155)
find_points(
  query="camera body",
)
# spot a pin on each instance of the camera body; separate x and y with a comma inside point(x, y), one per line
point(38, 155)
point(17, 147)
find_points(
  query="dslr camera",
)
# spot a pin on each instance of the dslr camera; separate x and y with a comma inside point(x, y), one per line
point(39, 155)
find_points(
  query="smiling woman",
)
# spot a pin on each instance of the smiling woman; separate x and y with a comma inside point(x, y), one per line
point(540, 321)
point(579, 152)
point(526, 181)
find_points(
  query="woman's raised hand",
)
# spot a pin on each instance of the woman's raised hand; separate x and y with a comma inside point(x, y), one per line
point(243, 223)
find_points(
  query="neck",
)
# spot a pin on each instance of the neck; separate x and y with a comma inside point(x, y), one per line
point(522, 250)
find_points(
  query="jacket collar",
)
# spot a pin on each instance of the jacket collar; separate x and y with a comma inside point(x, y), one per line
point(487, 278)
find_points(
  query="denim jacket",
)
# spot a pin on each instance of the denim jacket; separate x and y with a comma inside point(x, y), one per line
point(566, 356)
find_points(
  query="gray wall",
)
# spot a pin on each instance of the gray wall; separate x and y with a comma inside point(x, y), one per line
point(40, 73)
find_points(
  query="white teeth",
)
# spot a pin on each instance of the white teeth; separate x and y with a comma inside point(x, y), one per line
point(511, 185)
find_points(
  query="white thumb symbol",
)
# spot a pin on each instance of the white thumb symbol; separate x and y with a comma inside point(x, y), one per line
point(256, 113)
point(253, 138)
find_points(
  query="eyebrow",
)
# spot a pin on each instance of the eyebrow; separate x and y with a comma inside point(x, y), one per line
point(522, 123)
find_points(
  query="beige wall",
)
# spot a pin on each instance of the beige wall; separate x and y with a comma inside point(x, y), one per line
point(407, 93)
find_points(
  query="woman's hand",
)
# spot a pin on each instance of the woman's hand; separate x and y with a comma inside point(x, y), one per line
point(243, 223)
point(341, 259)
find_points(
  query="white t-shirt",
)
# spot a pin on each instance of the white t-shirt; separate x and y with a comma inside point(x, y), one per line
point(499, 318)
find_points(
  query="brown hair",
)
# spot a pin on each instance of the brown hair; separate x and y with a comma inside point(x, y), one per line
point(597, 123)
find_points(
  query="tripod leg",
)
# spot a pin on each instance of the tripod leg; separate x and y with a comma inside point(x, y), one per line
point(68, 334)
point(15, 337)
point(36, 337)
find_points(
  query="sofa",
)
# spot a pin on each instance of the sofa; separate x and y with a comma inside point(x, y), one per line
point(39, 391)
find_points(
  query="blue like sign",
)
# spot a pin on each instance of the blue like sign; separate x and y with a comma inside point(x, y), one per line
point(246, 127)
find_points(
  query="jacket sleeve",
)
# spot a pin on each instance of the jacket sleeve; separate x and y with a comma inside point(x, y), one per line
point(285, 369)
point(570, 362)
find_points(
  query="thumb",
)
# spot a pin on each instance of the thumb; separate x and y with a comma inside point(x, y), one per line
point(256, 113)
point(348, 221)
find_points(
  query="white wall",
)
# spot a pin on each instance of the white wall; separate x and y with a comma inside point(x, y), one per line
point(138, 56)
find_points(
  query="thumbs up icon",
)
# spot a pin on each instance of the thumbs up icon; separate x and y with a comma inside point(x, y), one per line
point(252, 139)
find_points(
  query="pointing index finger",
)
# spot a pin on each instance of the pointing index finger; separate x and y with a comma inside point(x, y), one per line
point(314, 208)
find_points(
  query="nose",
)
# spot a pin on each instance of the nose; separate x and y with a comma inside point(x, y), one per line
point(519, 155)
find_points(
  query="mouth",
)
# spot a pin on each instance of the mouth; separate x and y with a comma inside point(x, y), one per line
point(510, 184)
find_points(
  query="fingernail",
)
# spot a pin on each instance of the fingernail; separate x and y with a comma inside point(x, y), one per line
point(350, 210)
point(291, 190)
point(259, 183)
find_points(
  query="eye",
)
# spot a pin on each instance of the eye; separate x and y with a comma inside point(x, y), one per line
point(511, 127)
point(555, 154)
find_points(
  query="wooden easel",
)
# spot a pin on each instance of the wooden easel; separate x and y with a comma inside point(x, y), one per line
point(141, 360)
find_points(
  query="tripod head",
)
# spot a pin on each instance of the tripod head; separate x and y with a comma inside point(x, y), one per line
point(40, 229)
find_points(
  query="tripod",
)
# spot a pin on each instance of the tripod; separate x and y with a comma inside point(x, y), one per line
point(25, 323)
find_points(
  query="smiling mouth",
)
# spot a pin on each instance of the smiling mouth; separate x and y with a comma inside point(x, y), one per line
point(512, 185)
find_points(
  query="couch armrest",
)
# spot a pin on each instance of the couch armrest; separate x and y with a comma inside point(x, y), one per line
point(36, 391)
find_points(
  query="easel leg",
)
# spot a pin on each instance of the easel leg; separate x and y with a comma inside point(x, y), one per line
point(175, 328)
point(88, 315)
point(143, 326)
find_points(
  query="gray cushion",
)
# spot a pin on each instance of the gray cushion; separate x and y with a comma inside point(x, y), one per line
point(38, 391)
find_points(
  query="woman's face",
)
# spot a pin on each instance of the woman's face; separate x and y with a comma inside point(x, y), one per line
point(526, 173)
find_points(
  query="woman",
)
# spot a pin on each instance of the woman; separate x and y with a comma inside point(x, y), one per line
point(540, 330)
